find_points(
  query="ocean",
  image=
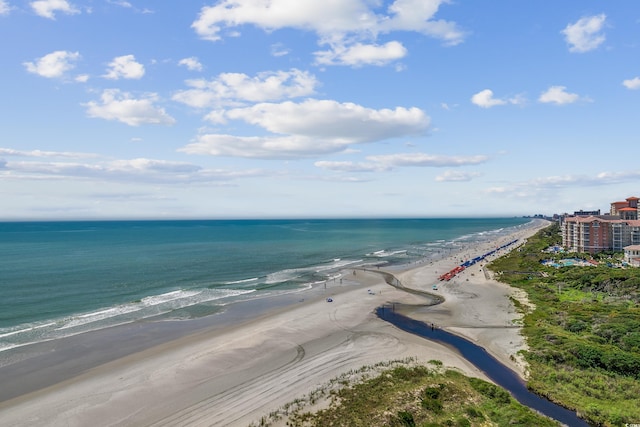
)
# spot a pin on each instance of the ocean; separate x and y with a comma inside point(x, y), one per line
point(63, 278)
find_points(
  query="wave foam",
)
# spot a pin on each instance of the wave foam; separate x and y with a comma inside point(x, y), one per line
point(384, 254)
point(238, 282)
point(125, 313)
point(25, 330)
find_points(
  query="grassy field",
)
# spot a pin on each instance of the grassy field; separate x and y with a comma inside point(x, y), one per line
point(584, 334)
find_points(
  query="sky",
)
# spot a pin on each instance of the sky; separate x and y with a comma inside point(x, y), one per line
point(140, 109)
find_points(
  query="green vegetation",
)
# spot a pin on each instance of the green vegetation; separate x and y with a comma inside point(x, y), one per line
point(584, 333)
point(420, 396)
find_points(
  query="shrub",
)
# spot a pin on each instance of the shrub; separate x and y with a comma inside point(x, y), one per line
point(474, 413)
point(490, 390)
point(406, 419)
point(431, 398)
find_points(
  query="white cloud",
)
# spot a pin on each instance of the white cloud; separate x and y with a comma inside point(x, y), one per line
point(615, 177)
point(485, 99)
point(391, 161)
point(558, 95)
point(309, 128)
point(360, 54)
point(121, 106)
point(4, 7)
point(278, 49)
point(457, 176)
point(82, 78)
point(140, 170)
point(287, 147)
point(329, 119)
point(416, 15)
point(426, 160)
point(351, 166)
point(124, 67)
point(235, 88)
point(632, 84)
point(121, 3)
point(342, 25)
point(321, 17)
point(128, 5)
point(48, 8)
point(40, 153)
point(585, 35)
point(542, 187)
point(191, 63)
point(54, 64)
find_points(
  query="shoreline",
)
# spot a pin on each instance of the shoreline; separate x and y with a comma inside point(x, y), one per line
point(233, 373)
point(476, 306)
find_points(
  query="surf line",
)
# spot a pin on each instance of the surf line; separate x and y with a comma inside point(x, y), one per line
point(478, 356)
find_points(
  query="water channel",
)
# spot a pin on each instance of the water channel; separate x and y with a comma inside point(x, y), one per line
point(499, 373)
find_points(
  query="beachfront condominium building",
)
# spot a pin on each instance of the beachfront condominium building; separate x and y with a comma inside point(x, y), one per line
point(598, 233)
point(590, 234)
point(627, 209)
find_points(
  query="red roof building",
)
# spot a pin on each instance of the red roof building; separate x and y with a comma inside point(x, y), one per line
point(629, 207)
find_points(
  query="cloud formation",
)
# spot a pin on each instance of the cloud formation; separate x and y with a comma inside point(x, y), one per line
point(4, 7)
point(308, 129)
point(40, 153)
point(632, 84)
point(48, 8)
point(585, 34)
point(238, 88)
point(457, 176)
point(121, 106)
point(389, 162)
point(351, 167)
point(191, 63)
point(542, 186)
point(126, 170)
point(360, 54)
point(485, 99)
point(125, 67)
point(53, 65)
point(349, 27)
point(121, 3)
point(427, 160)
point(558, 95)
point(278, 49)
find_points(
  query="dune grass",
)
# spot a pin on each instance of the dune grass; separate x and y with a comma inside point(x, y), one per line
point(415, 395)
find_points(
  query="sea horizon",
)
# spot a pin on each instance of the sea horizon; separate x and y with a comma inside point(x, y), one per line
point(260, 218)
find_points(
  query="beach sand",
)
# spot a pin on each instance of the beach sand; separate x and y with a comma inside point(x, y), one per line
point(234, 375)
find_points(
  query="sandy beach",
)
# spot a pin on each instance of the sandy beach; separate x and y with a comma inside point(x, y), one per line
point(233, 375)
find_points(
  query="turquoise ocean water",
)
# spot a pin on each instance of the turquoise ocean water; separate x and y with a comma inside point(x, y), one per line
point(63, 278)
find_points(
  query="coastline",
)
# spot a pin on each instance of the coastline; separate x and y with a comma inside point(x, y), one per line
point(235, 372)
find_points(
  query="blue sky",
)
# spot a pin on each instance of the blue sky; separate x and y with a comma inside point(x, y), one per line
point(307, 108)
